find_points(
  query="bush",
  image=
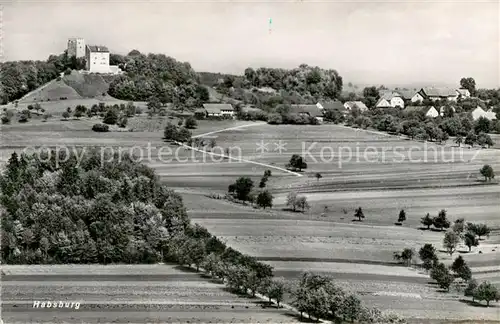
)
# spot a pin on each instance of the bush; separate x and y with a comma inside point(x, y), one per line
point(100, 128)
point(191, 123)
point(23, 119)
point(111, 117)
point(5, 120)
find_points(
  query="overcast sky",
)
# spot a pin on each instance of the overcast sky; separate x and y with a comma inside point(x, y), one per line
point(389, 42)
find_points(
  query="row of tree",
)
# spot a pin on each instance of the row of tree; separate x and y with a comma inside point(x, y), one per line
point(320, 297)
point(445, 276)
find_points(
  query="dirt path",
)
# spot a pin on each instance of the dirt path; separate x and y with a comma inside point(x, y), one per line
point(233, 158)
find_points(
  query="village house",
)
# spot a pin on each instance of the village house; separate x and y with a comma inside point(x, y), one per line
point(407, 95)
point(434, 94)
point(219, 110)
point(350, 105)
point(429, 111)
point(480, 112)
point(308, 110)
point(463, 93)
point(390, 100)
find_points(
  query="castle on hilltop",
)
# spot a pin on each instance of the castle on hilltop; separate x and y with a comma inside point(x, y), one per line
point(96, 57)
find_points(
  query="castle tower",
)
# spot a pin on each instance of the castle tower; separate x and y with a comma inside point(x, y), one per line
point(76, 47)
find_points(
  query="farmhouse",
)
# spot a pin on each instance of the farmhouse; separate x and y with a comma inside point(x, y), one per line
point(219, 110)
point(308, 110)
point(433, 94)
point(335, 104)
point(480, 112)
point(97, 59)
point(429, 111)
point(350, 105)
point(389, 100)
point(463, 93)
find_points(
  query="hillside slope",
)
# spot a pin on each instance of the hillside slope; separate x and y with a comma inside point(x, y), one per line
point(87, 85)
point(51, 91)
point(73, 86)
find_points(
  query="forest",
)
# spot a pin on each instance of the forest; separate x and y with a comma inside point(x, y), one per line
point(58, 209)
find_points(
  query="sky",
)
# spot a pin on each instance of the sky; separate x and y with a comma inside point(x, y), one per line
point(367, 42)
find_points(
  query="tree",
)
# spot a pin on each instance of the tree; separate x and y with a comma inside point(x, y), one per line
point(302, 203)
point(482, 125)
point(68, 110)
point(297, 162)
point(402, 216)
point(318, 176)
point(359, 214)
point(471, 289)
point(190, 123)
point(470, 240)
point(461, 269)
point(122, 122)
point(459, 226)
point(441, 221)
point(450, 241)
point(267, 173)
point(242, 187)
point(65, 115)
point(277, 289)
point(170, 132)
point(487, 172)
point(469, 84)
point(154, 104)
point(263, 181)
point(77, 114)
point(265, 199)
point(427, 254)
point(406, 256)
point(487, 292)
point(484, 140)
point(351, 307)
point(440, 273)
point(111, 117)
point(427, 221)
point(291, 200)
point(6, 120)
point(479, 229)
point(470, 139)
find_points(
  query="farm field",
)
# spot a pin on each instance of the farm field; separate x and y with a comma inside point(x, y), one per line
point(126, 294)
point(359, 255)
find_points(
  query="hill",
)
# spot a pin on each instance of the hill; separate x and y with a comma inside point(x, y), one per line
point(51, 91)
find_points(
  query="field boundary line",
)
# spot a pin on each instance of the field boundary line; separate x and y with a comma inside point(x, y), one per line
point(230, 128)
point(241, 160)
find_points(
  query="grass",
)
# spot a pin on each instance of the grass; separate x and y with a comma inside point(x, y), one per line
point(332, 243)
point(113, 293)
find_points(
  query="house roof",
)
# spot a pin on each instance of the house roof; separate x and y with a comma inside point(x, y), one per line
point(406, 94)
point(356, 104)
point(439, 92)
point(335, 104)
point(463, 91)
point(311, 110)
point(217, 108)
point(425, 109)
point(98, 48)
point(389, 95)
point(383, 99)
point(200, 110)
